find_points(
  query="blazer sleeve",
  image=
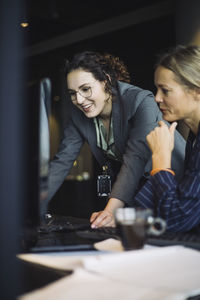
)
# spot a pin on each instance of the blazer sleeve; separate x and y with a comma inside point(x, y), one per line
point(144, 117)
point(68, 151)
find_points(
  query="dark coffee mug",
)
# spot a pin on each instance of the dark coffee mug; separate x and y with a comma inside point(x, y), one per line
point(133, 225)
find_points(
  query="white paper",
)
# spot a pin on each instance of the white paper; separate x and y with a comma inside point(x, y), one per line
point(58, 260)
point(72, 260)
point(167, 273)
point(173, 269)
point(87, 286)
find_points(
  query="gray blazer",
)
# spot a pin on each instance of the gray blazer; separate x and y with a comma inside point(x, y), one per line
point(135, 113)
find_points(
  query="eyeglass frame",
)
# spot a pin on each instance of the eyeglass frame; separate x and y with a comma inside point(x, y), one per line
point(75, 92)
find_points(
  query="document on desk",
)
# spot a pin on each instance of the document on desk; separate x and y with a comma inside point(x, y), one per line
point(174, 269)
point(84, 285)
point(58, 260)
point(167, 273)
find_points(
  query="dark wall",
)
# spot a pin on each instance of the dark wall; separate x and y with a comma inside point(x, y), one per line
point(136, 45)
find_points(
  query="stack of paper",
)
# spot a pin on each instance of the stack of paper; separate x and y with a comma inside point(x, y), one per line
point(168, 273)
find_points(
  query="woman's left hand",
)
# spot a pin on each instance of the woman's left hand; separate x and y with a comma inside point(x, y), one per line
point(161, 143)
point(161, 139)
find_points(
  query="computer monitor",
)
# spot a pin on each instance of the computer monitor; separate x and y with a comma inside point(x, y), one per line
point(44, 143)
point(35, 207)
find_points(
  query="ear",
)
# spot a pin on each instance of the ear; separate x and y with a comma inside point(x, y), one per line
point(108, 76)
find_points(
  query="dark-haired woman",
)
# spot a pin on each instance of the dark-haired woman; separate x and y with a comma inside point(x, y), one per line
point(113, 117)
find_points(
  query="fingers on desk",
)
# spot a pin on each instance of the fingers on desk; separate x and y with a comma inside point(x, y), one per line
point(102, 218)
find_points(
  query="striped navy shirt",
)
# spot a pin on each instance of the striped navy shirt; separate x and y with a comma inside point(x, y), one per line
point(178, 203)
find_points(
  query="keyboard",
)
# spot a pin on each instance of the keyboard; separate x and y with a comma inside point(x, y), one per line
point(61, 241)
point(58, 223)
point(63, 233)
point(191, 240)
point(82, 227)
point(98, 234)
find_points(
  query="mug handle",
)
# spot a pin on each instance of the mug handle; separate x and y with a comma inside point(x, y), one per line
point(156, 221)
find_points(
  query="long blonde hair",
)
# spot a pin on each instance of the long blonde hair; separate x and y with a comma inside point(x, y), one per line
point(184, 62)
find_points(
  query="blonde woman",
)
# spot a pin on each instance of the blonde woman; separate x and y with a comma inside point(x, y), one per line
point(177, 78)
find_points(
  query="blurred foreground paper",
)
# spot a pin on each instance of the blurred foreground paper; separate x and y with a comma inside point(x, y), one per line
point(88, 286)
point(167, 273)
point(175, 269)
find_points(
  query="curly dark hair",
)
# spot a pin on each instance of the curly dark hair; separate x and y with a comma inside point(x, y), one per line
point(104, 67)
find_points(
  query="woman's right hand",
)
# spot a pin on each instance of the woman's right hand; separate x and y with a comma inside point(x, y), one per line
point(106, 216)
point(102, 218)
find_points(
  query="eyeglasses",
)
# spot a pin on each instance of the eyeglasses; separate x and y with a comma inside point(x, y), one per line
point(84, 91)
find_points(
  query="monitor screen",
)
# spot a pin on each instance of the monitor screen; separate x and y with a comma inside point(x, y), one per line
point(44, 142)
point(38, 148)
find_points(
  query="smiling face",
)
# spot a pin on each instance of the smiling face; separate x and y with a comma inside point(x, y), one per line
point(88, 94)
point(175, 101)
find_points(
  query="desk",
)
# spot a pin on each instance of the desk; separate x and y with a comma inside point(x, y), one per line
point(34, 276)
point(167, 273)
